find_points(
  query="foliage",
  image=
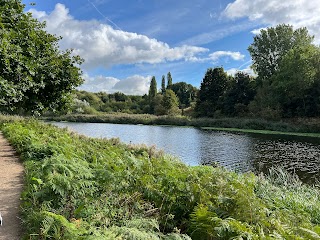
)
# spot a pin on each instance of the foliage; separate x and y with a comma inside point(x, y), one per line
point(35, 75)
point(272, 44)
point(153, 88)
point(212, 89)
point(101, 102)
point(170, 103)
point(84, 188)
point(287, 64)
point(295, 81)
point(163, 84)
point(185, 92)
point(240, 93)
point(152, 94)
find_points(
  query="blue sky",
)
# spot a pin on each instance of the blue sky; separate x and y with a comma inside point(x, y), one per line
point(125, 42)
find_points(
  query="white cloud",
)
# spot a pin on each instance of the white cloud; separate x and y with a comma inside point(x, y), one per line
point(133, 85)
point(219, 54)
point(299, 13)
point(233, 71)
point(101, 45)
point(257, 31)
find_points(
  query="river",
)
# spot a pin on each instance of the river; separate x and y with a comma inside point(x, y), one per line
point(239, 152)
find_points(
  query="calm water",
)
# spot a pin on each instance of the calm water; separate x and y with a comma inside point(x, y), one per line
point(235, 151)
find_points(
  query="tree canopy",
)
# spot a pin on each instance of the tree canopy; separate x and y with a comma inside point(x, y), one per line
point(241, 91)
point(35, 76)
point(163, 84)
point(272, 44)
point(211, 91)
point(287, 64)
point(170, 102)
point(185, 92)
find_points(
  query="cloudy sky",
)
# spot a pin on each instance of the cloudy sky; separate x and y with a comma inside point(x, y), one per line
point(125, 42)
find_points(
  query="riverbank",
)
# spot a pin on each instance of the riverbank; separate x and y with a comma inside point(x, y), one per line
point(265, 132)
point(298, 127)
point(84, 188)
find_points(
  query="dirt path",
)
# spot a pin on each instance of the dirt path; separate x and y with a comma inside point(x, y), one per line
point(11, 183)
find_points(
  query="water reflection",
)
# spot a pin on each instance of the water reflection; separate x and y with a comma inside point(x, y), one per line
point(298, 155)
point(232, 151)
point(238, 152)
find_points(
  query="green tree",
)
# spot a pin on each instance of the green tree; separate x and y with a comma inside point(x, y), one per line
point(240, 93)
point(153, 88)
point(169, 80)
point(170, 103)
point(186, 93)
point(286, 63)
point(163, 84)
point(272, 44)
point(298, 74)
point(35, 76)
point(211, 93)
point(152, 94)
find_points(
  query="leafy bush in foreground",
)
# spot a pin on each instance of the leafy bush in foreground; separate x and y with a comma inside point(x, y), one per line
point(84, 188)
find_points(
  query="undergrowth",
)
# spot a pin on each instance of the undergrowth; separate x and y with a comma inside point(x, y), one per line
point(84, 188)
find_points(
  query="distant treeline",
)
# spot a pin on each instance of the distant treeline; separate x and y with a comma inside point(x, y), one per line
point(286, 85)
point(180, 96)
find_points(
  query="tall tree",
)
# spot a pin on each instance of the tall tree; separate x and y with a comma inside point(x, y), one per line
point(240, 93)
point(170, 103)
point(35, 75)
point(272, 44)
point(152, 95)
point(163, 84)
point(153, 88)
point(298, 73)
point(284, 60)
point(211, 93)
point(169, 80)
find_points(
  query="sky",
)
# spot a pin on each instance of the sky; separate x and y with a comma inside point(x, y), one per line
point(126, 42)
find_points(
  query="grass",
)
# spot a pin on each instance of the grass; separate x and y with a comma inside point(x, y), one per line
point(84, 188)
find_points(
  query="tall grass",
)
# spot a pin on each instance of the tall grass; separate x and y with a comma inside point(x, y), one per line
point(84, 188)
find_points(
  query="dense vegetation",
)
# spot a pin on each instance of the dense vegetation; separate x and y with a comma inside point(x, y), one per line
point(168, 101)
point(35, 76)
point(82, 188)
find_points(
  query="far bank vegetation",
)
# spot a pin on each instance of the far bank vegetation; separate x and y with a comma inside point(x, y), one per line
point(286, 85)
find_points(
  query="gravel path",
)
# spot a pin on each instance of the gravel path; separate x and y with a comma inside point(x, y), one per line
point(11, 183)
